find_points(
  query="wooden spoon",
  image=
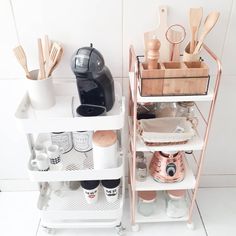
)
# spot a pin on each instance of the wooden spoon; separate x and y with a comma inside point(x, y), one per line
point(208, 25)
point(195, 18)
point(21, 57)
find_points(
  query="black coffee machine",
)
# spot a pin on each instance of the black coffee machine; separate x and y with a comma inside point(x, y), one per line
point(94, 81)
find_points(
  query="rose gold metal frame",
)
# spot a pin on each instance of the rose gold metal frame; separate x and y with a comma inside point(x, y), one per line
point(133, 67)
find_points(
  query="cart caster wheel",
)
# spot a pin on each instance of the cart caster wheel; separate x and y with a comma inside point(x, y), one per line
point(120, 230)
point(135, 228)
point(190, 226)
point(48, 230)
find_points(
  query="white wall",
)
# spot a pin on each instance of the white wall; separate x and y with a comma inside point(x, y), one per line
point(111, 25)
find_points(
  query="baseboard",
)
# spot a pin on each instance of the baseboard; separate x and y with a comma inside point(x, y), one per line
point(206, 181)
point(218, 181)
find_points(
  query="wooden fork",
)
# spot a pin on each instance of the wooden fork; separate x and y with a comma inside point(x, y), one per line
point(21, 57)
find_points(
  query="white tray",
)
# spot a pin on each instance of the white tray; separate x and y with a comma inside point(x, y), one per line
point(83, 164)
point(60, 117)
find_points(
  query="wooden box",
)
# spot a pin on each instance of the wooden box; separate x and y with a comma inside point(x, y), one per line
point(174, 78)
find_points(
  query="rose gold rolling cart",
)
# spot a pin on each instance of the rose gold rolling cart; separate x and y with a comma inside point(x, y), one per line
point(197, 145)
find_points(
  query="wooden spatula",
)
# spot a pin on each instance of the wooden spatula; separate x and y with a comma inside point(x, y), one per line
point(54, 55)
point(208, 25)
point(195, 18)
point(46, 51)
point(42, 74)
point(21, 57)
point(58, 60)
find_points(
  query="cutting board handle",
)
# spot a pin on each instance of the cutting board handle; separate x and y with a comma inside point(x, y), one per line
point(163, 11)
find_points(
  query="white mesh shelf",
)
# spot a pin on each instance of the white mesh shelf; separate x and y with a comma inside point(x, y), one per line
point(71, 205)
point(76, 166)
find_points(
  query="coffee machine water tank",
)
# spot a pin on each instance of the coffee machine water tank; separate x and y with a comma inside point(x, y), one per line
point(94, 80)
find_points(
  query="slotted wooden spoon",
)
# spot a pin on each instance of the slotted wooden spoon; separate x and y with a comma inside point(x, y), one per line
point(53, 58)
point(21, 57)
point(195, 18)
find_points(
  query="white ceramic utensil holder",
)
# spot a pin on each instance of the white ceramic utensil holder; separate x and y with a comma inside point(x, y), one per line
point(104, 150)
point(40, 92)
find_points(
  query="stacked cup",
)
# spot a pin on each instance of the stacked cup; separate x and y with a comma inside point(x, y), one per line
point(91, 187)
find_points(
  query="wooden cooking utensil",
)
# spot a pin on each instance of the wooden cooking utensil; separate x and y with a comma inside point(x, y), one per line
point(208, 25)
point(159, 33)
point(42, 74)
point(175, 36)
point(46, 51)
point(21, 57)
point(58, 60)
point(53, 58)
point(195, 18)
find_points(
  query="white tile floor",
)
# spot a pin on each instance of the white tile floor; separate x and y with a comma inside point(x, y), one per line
point(215, 216)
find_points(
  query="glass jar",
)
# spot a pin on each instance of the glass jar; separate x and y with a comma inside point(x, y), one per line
point(166, 109)
point(185, 109)
point(146, 204)
point(141, 166)
point(146, 111)
point(63, 140)
point(176, 203)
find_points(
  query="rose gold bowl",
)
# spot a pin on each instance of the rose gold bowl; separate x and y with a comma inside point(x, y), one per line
point(167, 167)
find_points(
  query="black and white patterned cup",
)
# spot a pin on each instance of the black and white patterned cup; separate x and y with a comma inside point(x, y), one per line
point(54, 153)
point(90, 188)
point(111, 189)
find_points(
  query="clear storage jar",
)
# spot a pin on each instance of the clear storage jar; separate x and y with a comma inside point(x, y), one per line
point(141, 166)
point(166, 109)
point(176, 203)
point(146, 202)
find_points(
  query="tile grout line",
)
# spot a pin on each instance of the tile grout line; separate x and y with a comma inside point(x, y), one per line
point(37, 230)
point(227, 30)
point(122, 43)
point(14, 20)
point(203, 224)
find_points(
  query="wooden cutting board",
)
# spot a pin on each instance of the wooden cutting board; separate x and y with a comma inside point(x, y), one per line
point(159, 33)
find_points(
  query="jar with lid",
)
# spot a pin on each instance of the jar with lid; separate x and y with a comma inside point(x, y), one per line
point(146, 202)
point(141, 166)
point(146, 111)
point(63, 140)
point(166, 109)
point(186, 109)
point(176, 203)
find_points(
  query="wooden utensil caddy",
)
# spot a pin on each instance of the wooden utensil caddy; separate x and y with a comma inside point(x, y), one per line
point(174, 78)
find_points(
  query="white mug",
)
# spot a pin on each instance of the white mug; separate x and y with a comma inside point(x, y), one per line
point(39, 148)
point(54, 153)
point(41, 162)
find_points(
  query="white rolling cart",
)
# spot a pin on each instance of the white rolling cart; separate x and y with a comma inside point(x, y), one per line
point(198, 143)
point(69, 209)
